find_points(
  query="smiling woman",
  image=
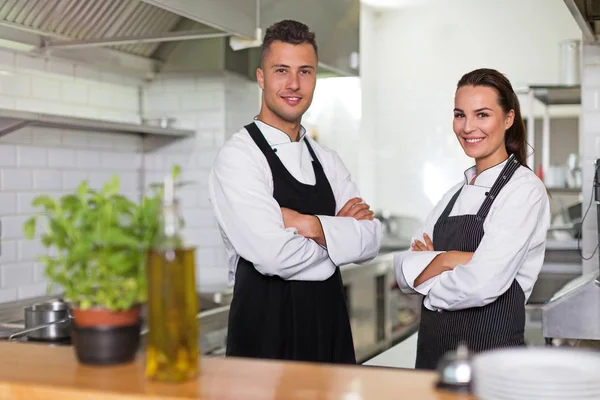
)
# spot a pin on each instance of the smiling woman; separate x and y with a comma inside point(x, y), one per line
point(482, 247)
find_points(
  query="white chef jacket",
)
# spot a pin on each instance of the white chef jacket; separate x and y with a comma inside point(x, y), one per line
point(512, 247)
point(241, 194)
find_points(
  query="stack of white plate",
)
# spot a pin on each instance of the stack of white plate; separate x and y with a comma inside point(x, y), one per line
point(537, 373)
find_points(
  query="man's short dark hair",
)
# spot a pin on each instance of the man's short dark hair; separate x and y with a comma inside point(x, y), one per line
point(287, 31)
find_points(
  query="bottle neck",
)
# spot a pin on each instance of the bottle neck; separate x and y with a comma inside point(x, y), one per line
point(169, 227)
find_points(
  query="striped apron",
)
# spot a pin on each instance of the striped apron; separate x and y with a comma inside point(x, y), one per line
point(498, 324)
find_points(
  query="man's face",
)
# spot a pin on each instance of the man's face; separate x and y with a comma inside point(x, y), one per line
point(288, 76)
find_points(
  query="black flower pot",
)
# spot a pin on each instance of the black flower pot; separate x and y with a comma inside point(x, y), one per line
point(106, 345)
point(104, 337)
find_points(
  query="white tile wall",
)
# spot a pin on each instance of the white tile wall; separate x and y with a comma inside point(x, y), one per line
point(38, 160)
point(215, 107)
point(590, 150)
point(49, 164)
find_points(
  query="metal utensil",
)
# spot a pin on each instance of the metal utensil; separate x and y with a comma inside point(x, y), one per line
point(46, 321)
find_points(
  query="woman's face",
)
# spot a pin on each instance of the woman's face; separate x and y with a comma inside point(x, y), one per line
point(480, 123)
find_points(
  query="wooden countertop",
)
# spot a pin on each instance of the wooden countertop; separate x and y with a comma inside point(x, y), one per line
point(32, 371)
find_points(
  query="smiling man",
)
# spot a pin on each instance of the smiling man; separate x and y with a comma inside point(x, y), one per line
point(289, 216)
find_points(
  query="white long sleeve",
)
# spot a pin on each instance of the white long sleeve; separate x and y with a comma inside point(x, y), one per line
point(348, 240)
point(250, 219)
point(512, 247)
point(252, 222)
point(409, 264)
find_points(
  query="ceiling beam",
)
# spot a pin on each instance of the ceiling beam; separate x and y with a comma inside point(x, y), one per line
point(586, 29)
point(156, 38)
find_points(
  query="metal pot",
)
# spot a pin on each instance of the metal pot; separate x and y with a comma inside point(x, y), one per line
point(47, 321)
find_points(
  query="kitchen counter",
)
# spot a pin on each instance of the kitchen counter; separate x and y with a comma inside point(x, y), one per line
point(44, 372)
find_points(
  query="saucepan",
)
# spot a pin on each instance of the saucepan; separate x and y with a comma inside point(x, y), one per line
point(46, 321)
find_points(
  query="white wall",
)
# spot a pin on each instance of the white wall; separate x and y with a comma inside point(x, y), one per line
point(335, 116)
point(53, 161)
point(214, 107)
point(590, 150)
point(411, 60)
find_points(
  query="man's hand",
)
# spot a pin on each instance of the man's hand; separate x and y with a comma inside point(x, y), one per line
point(356, 209)
point(307, 225)
point(417, 245)
point(443, 262)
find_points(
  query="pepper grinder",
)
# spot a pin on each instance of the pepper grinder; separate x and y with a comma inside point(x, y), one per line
point(455, 370)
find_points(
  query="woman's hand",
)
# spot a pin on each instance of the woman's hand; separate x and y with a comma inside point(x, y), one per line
point(417, 245)
point(441, 263)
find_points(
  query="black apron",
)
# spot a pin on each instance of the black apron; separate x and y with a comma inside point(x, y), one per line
point(285, 319)
point(498, 324)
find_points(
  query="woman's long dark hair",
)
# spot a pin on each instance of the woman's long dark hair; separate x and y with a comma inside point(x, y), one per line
point(515, 137)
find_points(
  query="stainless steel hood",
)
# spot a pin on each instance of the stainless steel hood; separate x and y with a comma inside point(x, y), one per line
point(146, 37)
point(587, 16)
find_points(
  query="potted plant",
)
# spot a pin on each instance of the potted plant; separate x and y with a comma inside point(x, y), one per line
point(99, 240)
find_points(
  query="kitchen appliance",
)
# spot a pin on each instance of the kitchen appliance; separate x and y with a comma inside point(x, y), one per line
point(574, 311)
point(380, 314)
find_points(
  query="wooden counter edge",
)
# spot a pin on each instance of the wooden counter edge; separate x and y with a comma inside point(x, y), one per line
point(31, 371)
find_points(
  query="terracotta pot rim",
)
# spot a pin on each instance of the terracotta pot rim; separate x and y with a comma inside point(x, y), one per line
point(101, 308)
point(92, 317)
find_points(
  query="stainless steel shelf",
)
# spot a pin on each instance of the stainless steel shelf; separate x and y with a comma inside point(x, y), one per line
point(12, 120)
point(574, 190)
point(557, 94)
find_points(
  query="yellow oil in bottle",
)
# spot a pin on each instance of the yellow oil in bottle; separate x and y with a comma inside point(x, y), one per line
point(172, 353)
point(172, 347)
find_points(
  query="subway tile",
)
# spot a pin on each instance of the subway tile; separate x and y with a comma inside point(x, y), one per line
point(8, 155)
point(12, 227)
point(16, 179)
point(8, 295)
point(74, 92)
point(30, 250)
point(46, 136)
point(61, 157)
point(100, 141)
point(29, 156)
point(47, 179)
point(88, 159)
point(45, 88)
point(72, 179)
point(74, 139)
point(39, 272)
point(29, 291)
point(15, 85)
point(8, 203)
point(24, 201)
point(8, 251)
point(12, 275)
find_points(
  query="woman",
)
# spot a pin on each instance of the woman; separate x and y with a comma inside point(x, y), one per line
point(482, 247)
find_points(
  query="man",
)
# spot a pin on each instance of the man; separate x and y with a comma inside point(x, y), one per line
point(289, 215)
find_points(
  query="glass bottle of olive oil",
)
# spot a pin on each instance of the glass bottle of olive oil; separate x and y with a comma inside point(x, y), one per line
point(172, 348)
